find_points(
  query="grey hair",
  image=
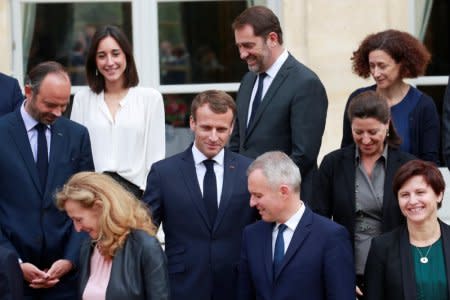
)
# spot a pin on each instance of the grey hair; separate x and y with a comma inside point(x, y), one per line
point(278, 169)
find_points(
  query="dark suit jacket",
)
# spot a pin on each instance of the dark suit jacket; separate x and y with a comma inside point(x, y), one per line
point(389, 273)
point(30, 223)
point(11, 278)
point(138, 272)
point(334, 188)
point(202, 257)
point(424, 129)
point(291, 118)
point(446, 125)
point(318, 263)
point(10, 94)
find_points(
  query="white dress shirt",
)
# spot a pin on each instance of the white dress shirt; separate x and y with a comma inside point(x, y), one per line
point(200, 169)
point(290, 229)
point(130, 143)
point(271, 73)
point(32, 132)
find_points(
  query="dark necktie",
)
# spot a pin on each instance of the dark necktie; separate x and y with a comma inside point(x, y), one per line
point(279, 249)
point(210, 190)
point(42, 154)
point(258, 96)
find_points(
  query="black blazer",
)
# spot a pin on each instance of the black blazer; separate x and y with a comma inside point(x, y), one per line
point(11, 277)
point(334, 188)
point(389, 273)
point(139, 269)
point(291, 118)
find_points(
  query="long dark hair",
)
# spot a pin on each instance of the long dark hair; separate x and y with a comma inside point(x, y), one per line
point(96, 80)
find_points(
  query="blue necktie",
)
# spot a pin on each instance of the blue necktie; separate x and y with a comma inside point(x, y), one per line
point(210, 190)
point(258, 96)
point(279, 249)
point(42, 154)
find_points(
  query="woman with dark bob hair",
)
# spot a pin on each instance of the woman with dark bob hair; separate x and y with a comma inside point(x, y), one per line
point(125, 122)
point(413, 261)
point(122, 259)
point(389, 57)
point(353, 185)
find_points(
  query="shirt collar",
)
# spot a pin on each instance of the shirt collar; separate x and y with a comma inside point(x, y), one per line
point(294, 220)
point(199, 157)
point(29, 121)
point(383, 156)
point(276, 66)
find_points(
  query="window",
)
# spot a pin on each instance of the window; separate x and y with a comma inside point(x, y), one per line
point(181, 47)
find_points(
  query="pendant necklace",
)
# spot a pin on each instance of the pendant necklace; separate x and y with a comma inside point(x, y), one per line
point(424, 258)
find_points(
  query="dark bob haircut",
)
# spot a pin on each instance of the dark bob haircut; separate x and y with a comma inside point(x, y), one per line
point(404, 49)
point(96, 80)
point(372, 105)
point(262, 19)
point(429, 172)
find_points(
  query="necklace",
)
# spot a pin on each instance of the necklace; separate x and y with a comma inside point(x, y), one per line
point(424, 258)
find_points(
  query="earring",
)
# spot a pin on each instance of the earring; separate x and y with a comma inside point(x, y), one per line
point(387, 133)
point(96, 72)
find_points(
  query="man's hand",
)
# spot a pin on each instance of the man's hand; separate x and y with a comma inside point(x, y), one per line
point(39, 279)
point(59, 269)
point(31, 272)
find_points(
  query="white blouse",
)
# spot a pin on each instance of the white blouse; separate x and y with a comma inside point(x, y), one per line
point(131, 143)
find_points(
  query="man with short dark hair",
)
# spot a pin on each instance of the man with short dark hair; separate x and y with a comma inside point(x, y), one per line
point(292, 253)
point(40, 151)
point(281, 104)
point(201, 198)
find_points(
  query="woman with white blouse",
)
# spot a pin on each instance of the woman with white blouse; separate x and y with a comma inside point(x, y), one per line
point(125, 122)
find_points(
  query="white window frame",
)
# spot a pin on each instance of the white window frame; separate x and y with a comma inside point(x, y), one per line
point(145, 43)
point(421, 80)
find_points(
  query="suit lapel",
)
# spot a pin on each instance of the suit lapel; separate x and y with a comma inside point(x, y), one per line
point(20, 136)
point(229, 170)
point(301, 233)
point(445, 237)
point(267, 250)
point(408, 279)
point(269, 96)
point(187, 168)
point(243, 102)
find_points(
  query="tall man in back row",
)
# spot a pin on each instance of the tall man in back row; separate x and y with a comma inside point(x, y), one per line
point(201, 198)
point(40, 151)
point(281, 104)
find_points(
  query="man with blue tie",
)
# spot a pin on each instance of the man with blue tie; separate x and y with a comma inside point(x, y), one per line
point(281, 103)
point(201, 198)
point(40, 151)
point(292, 253)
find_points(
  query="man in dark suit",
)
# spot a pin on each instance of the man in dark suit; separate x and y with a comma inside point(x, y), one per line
point(39, 152)
point(281, 104)
point(292, 253)
point(10, 94)
point(201, 198)
point(11, 286)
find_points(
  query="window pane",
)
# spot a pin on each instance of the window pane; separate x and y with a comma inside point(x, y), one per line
point(197, 43)
point(437, 38)
point(62, 32)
